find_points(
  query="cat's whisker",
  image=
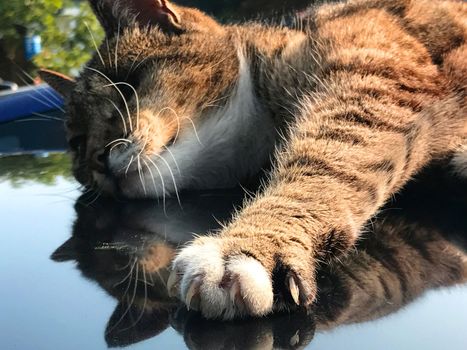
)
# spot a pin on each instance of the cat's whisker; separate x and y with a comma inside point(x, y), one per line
point(119, 91)
point(40, 119)
point(160, 277)
point(116, 145)
point(177, 118)
point(152, 279)
point(140, 174)
point(86, 190)
point(129, 164)
point(142, 61)
point(121, 115)
point(48, 117)
point(55, 102)
point(108, 51)
point(162, 183)
point(138, 157)
point(118, 140)
point(116, 47)
point(173, 177)
point(93, 199)
point(194, 129)
point(49, 104)
point(136, 96)
point(46, 98)
point(132, 64)
point(173, 157)
point(178, 129)
point(152, 178)
point(99, 193)
point(94, 43)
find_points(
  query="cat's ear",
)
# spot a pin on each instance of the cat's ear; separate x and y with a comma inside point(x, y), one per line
point(66, 252)
point(157, 12)
point(61, 83)
point(122, 330)
point(116, 15)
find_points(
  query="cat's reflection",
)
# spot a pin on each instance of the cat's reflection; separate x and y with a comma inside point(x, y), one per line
point(417, 244)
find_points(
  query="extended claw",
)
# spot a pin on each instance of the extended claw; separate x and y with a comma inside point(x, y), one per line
point(192, 296)
point(172, 284)
point(236, 297)
point(234, 290)
point(295, 339)
point(294, 291)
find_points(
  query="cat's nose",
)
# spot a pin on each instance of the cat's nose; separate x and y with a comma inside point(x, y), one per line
point(99, 161)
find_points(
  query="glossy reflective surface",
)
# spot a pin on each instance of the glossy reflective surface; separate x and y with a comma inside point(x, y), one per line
point(86, 273)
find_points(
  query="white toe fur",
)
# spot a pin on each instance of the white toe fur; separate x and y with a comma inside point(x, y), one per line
point(202, 263)
point(255, 284)
point(459, 162)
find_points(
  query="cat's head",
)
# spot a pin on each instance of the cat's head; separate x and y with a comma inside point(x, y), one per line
point(134, 114)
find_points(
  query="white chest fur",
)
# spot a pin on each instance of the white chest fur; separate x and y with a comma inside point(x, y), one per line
point(227, 146)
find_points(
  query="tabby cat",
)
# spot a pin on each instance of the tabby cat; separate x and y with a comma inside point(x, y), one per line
point(342, 110)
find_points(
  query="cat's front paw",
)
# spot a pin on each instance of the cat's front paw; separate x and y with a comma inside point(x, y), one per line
point(227, 281)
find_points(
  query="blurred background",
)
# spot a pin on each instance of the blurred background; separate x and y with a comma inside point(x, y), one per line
point(56, 33)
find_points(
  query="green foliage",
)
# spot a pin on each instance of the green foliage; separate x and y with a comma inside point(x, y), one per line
point(66, 41)
point(19, 170)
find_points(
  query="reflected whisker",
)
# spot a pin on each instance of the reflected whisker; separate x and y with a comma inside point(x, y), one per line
point(135, 261)
point(144, 302)
point(128, 274)
point(124, 267)
point(130, 302)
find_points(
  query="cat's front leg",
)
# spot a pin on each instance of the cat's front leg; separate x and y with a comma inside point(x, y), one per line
point(265, 260)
